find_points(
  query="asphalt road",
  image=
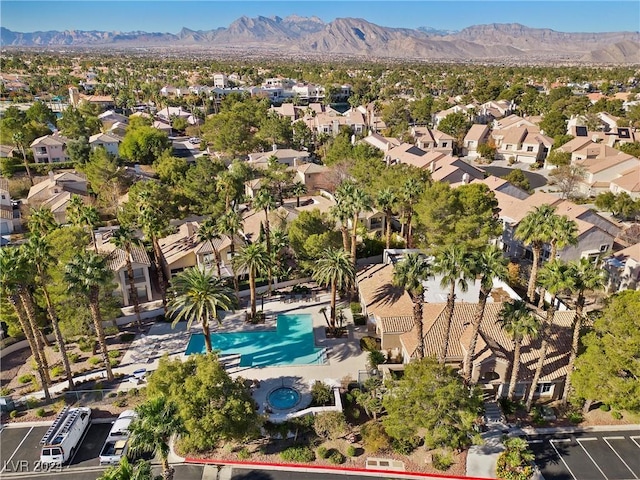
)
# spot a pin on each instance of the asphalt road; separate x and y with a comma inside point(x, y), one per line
point(611, 455)
point(256, 474)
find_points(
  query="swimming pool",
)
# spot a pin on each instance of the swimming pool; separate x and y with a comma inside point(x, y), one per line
point(291, 343)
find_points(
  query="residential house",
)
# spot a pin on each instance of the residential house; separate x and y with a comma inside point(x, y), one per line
point(288, 110)
point(183, 249)
point(602, 165)
point(6, 209)
point(110, 117)
point(454, 171)
point(470, 111)
point(8, 151)
point(624, 269)
point(381, 143)
point(628, 182)
point(432, 140)
point(595, 233)
point(168, 113)
point(494, 110)
point(477, 135)
point(308, 92)
point(55, 193)
point(102, 101)
point(330, 121)
point(389, 311)
point(163, 126)
point(220, 80)
point(522, 143)
point(313, 176)
point(497, 184)
point(50, 149)
point(117, 263)
point(286, 156)
point(109, 142)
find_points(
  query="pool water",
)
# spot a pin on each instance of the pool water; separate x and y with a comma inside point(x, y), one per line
point(291, 343)
point(284, 398)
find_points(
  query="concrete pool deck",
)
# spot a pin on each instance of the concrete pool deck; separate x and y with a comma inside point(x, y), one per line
point(344, 357)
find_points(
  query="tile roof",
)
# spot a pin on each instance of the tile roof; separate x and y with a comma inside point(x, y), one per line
point(117, 257)
point(495, 339)
point(399, 324)
point(379, 295)
point(629, 180)
point(185, 241)
point(477, 132)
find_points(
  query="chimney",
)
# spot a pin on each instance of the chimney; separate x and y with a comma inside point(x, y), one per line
point(136, 168)
point(274, 147)
point(353, 139)
point(296, 162)
point(51, 175)
point(465, 178)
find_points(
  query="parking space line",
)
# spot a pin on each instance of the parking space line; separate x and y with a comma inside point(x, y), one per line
point(606, 439)
point(535, 441)
point(590, 457)
point(8, 462)
point(560, 456)
point(633, 439)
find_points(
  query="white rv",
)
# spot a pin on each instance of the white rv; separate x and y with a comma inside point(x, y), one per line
point(117, 443)
point(64, 435)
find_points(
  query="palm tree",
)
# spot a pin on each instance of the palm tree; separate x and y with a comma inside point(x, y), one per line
point(38, 253)
point(360, 202)
point(336, 270)
point(154, 225)
point(12, 277)
point(410, 274)
point(297, 190)
point(158, 420)
point(198, 295)
point(41, 221)
point(254, 259)
point(555, 277)
point(489, 264)
point(208, 232)
point(535, 230)
point(585, 276)
point(125, 470)
point(266, 202)
point(230, 224)
point(18, 139)
point(410, 193)
point(124, 239)
point(86, 274)
point(454, 264)
point(563, 232)
point(83, 215)
point(74, 208)
point(386, 201)
point(341, 212)
point(516, 319)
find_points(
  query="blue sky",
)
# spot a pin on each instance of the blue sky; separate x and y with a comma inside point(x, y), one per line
point(171, 16)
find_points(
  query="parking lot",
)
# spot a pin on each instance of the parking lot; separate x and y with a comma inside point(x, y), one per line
point(20, 449)
point(588, 456)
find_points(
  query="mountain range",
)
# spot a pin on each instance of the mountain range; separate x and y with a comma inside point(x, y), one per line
point(301, 36)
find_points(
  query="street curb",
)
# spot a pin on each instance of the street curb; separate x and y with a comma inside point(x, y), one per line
point(594, 429)
point(295, 467)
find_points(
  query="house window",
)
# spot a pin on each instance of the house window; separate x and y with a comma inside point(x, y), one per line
point(529, 149)
point(444, 144)
point(604, 248)
point(544, 388)
point(41, 151)
point(142, 294)
point(507, 147)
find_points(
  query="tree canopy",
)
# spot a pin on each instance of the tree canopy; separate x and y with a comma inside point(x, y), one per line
point(432, 402)
point(609, 368)
point(213, 406)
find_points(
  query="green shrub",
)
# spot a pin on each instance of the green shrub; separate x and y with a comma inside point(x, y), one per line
point(120, 402)
point(322, 452)
point(330, 425)
point(94, 361)
point(122, 393)
point(243, 453)
point(376, 357)
point(507, 406)
point(575, 417)
point(320, 393)
point(74, 357)
point(134, 392)
point(5, 391)
point(115, 354)
point(85, 345)
point(32, 402)
point(111, 330)
point(442, 461)
point(369, 344)
point(351, 451)
point(13, 414)
point(359, 319)
point(114, 362)
point(298, 455)
point(617, 415)
point(57, 371)
point(604, 407)
point(28, 378)
point(356, 307)
point(355, 412)
point(112, 395)
point(404, 446)
point(336, 457)
point(127, 337)
point(40, 412)
point(374, 437)
point(55, 347)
